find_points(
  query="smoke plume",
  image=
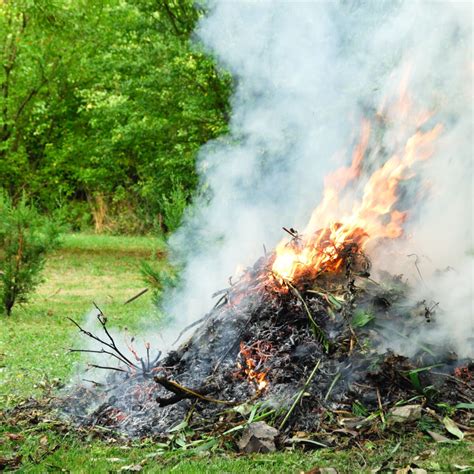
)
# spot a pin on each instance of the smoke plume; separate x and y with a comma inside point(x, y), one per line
point(306, 75)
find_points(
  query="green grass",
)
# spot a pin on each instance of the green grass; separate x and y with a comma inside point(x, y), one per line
point(89, 268)
point(33, 352)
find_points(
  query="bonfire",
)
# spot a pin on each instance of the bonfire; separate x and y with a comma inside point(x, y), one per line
point(300, 340)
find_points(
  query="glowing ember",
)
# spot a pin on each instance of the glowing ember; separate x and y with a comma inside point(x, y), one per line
point(252, 358)
point(373, 215)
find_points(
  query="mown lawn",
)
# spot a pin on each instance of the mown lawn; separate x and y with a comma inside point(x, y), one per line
point(34, 344)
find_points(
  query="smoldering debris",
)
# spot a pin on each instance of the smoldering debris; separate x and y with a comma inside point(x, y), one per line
point(303, 355)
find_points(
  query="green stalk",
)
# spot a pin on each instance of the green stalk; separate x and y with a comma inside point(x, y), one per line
point(300, 394)
point(318, 332)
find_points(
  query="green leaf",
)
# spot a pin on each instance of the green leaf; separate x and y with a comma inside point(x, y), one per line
point(335, 302)
point(361, 318)
point(252, 414)
point(244, 408)
point(415, 381)
point(179, 427)
point(424, 369)
point(465, 406)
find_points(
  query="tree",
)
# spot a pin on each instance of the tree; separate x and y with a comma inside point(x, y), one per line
point(103, 106)
point(39, 45)
point(25, 239)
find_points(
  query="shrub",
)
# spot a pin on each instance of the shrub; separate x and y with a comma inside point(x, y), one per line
point(174, 206)
point(25, 239)
point(159, 275)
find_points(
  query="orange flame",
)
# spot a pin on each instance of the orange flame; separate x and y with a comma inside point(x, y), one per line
point(252, 357)
point(374, 216)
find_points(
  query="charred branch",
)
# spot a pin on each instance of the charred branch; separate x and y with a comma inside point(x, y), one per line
point(181, 392)
point(145, 368)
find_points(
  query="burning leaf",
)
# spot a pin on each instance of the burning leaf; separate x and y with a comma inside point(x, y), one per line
point(252, 357)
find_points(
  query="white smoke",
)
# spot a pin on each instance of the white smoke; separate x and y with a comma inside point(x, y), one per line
point(306, 73)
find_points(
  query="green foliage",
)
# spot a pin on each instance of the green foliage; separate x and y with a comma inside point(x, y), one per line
point(25, 238)
point(106, 99)
point(159, 275)
point(361, 318)
point(173, 206)
point(358, 409)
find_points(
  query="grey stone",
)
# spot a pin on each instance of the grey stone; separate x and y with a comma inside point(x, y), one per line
point(258, 437)
point(405, 414)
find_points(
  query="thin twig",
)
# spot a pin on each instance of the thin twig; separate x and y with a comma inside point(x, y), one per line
point(118, 369)
point(102, 351)
point(98, 384)
point(101, 341)
point(417, 260)
point(133, 298)
point(103, 321)
point(193, 325)
point(452, 377)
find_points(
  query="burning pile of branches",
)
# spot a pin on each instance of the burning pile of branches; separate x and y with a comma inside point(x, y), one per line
point(297, 343)
point(303, 334)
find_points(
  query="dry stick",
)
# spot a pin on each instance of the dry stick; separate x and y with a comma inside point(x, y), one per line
point(179, 389)
point(92, 336)
point(118, 369)
point(292, 232)
point(105, 343)
point(102, 351)
point(133, 298)
point(317, 330)
point(300, 394)
point(103, 320)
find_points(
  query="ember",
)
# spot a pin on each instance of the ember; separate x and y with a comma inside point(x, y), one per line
point(253, 358)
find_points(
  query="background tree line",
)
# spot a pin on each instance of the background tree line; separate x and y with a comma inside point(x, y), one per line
point(103, 106)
